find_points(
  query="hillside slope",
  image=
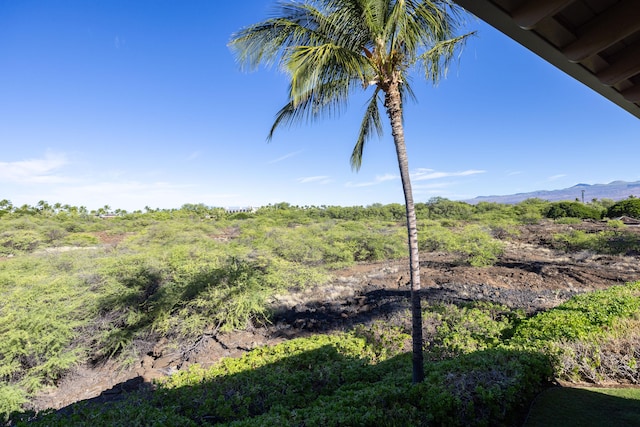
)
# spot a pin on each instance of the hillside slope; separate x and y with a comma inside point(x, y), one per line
point(616, 190)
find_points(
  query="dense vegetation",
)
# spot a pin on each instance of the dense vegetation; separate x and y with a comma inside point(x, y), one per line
point(573, 210)
point(80, 287)
point(484, 366)
point(629, 207)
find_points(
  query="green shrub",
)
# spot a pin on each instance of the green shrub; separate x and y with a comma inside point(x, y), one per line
point(441, 208)
point(11, 399)
point(80, 239)
point(592, 337)
point(606, 242)
point(41, 313)
point(474, 243)
point(568, 220)
point(531, 211)
point(335, 244)
point(468, 328)
point(330, 381)
point(19, 241)
point(629, 207)
point(572, 210)
point(615, 223)
point(581, 317)
point(384, 340)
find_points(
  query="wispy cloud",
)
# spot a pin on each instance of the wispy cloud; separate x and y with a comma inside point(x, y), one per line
point(194, 155)
point(432, 186)
point(118, 42)
point(556, 177)
point(417, 176)
point(427, 174)
point(134, 194)
point(378, 180)
point(35, 171)
point(286, 156)
point(321, 179)
point(50, 178)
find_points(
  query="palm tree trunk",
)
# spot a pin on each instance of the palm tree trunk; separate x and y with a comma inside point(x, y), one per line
point(393, 104)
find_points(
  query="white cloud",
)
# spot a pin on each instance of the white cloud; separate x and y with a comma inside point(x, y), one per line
point(432, 189)
point(118, 42)
point(194, 155)
point(418, 175)
point(35, 171)
point(321, 179)
point(426, 174)
point(132, 195)
point(378, 180)
point(432, 186)
point(52, 178)
point(286, 156)
point(556, 177)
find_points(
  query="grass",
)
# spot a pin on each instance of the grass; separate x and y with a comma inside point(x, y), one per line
point(585, 407)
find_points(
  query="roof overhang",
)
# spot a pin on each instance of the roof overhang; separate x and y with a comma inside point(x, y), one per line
point(594, 41)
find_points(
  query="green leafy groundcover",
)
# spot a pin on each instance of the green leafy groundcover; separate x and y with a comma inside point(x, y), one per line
point(328, 381)
point(352, 379)
point(484, 373)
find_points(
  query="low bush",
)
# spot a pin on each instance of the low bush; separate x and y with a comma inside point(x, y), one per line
point(602, 360)
point(80, 240)
point(615, 223)
point(612, 242)
point(473, 243)
point(629, 207)
point(572, 210)
point(488, 363)
point(330, 381)
point(19, 241)
point(41, 312)
point(592, 337)
point(582, 316)
point(462, 329)
point(328, 243)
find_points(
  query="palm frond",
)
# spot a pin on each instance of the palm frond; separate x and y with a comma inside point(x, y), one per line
point(370, 123)
point(436, 61)
point(326, 99)
point(313, 66)
point(294, 24)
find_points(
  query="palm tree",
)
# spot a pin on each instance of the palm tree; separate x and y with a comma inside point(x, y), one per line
point(331, 48)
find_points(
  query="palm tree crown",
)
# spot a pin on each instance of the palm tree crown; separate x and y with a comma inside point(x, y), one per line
point(332, 48)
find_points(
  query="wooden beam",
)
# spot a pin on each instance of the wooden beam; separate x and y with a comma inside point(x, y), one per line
point(530, 13)
point(626, 65)
point(500, 18)
point(613, 25)
point(632, 94)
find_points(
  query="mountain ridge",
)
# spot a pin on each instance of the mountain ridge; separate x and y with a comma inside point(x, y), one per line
point(615, 190)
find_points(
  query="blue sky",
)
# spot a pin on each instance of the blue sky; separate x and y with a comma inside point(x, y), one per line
point(134, 104)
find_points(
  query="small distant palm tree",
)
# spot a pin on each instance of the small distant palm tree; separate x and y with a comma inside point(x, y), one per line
point(331, 48)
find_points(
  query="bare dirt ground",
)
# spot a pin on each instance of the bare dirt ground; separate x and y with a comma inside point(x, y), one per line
point(530, 275)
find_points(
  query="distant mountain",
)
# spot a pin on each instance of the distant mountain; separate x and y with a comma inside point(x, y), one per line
point(616, 190)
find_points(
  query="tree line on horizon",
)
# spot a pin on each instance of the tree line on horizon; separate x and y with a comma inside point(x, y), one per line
point(434, 208)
